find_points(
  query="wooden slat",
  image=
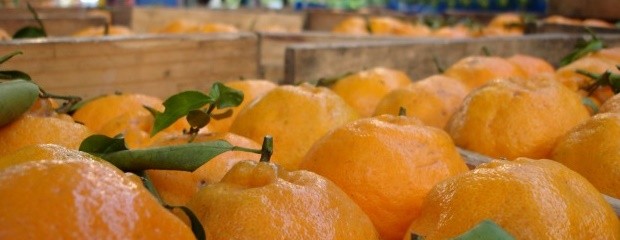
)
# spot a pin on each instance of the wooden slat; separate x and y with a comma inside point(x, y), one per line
point(149, 19)
point(150, 64)
point(473, 159)
point(309, 62)
point(602, 9)
point(272, 47)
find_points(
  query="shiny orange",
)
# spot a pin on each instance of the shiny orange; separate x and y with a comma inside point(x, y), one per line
point(80, 199)
point(99, 111)
point(296, 116)
point(568, 75)
point(363, 90)
point(504, 24)
point(393, 26)
point(557, 19)
point(530, 199)
point(252, 89)
point(592, 150)
point(516, 118)
point(475, 71)
point(386, 164)
point(263, 201)
point(100, 31)
point(38, 152)
point(432, 100)
point(178, 187)
point(611, 105)
point(216, 28)
point(30, 130)
point(592, 22)
point(179, 26)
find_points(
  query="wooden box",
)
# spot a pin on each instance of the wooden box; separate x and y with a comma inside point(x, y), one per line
point(57, 21)
point(149, 64)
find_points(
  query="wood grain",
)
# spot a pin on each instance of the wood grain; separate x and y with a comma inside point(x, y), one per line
point(57, 21)
point(312, 61)
point(149, 64)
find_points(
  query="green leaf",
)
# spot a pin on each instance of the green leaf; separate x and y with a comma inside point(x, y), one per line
point(29, 32)
point(179, 105)
point(9, 56)
point(100, 145)
point(198, 118)
point(581, 49)
point(225, 96)
point(16, 97)
point(14, 74)
point(197, 229)
point(185, 157)
point(485, 230)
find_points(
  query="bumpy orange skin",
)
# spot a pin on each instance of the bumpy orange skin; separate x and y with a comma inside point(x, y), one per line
point(80, 199)
point(363, 90)
point(386, 164)
point(352, 25)
point(41, 152)
point(568, 75)
point(531, 199)
point(475, 71)
point(30, 130)
point(516, 118)
point(217, 28)
point(262, 201)
point(252, 89)
point(177, 187)
point(432, 100)
point(96, 113)
point(504, 24)
point(296, 116)
point(531, 66)
point(611, 105)
point(592, 149)
point(115, 30)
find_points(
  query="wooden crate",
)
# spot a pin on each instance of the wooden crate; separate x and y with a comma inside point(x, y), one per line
point(309, 62)
point(602, 9)
point(154, 65)
point(57, 21)
point(149, 19)
point(272, 48)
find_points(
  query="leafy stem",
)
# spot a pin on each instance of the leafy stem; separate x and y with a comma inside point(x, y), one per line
point(582, 48)
point(605, 79)
point(37, 18)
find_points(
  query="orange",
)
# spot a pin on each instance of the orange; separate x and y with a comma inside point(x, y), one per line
point(136, 128)
point(352, 25)
point(386, 164)
point(453, 32)
point(568, 75)
point(591, 22)
point(557, 19)
point(179, 26)
point(608, 54)
point(80, 199)
point(611, 105)
point(531, 66)
point(99, 111)
point(216, 28)
point(100, 31)
point(252, 89)
point(516, 118)
point(296, 116)
point(531, 199)
point(393, 26)
point(38, 152)
point(30, 130)
point(178, 187)
point(4, 35)
point(433, 100)
point(363, 90)
point(504, 24)
point(474, 71)
point(263, 201)
point(592, 150)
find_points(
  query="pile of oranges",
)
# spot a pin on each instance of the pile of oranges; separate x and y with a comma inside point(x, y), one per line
point(372, 156)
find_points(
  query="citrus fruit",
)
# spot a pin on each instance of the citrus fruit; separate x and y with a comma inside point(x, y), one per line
point(557, 19)
point(352, 25)
point(386, 164)
point(516, 118)
point(30, 130)
point(80, 199)
point(569, 76)
point(432, 100)
point(178, 187)
point(252, 89)
point(592, 150)
point(179, 26)
point(393, 26)
point(295, 116)
point(531, 66)
point(504, 24)
point(100, 31)
point(99, 111)
point(611, 105)
point(474, 71)
point(263, 201)
point(41, 152)
point(216, 28)
point(531, 199)
point(363, 90)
